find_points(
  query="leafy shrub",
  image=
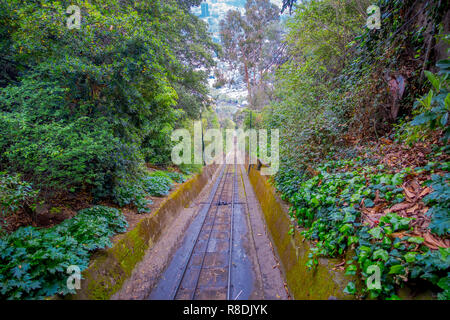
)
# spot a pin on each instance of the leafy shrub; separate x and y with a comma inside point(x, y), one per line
point(14, 193)
point(439, 201)
point(160, 173)
point(158, 185)
point(85, 110)
point(33, 262)
point(132, 194)
point(432, 110)
point(177, 177)
point(189, 169)
point(57, 154)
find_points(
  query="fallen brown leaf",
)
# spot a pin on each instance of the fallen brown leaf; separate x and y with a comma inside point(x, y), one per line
point(409, 193)
point(400, 206)
point(425, 192)
point(413, 209)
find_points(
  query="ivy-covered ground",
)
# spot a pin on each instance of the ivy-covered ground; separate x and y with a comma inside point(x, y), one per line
point(33, 262)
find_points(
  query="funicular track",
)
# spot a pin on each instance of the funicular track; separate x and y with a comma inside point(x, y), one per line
point(204, 266)
point(218, 258)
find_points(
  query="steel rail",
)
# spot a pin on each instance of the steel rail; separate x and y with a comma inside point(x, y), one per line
point(207, 242)
point(230, 259)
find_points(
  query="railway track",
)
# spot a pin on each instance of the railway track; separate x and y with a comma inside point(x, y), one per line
point(204, 264)
point(207, 271)
point(218, 258)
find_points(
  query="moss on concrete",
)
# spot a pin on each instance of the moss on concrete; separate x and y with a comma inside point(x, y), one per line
point(293, 250)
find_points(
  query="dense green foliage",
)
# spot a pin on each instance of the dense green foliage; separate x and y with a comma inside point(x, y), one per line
point(251, 43)
point(14, 194)
point(439, 201)
point(157, 184)
point(81, 112)
point(343, 82)
point(132, 193)
point(176, 176)
point(342, 86)
point(33, 262)
point(329, 206)
point(431, 112)
point(85, 108)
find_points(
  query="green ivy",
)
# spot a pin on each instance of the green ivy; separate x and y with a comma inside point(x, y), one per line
point(33, 262)
point(177, 177)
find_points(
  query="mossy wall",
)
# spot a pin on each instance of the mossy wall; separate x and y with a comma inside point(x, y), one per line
point(322, 283)
point(110, 268)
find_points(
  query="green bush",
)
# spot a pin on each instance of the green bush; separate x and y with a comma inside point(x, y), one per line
point(328, 205)
point(33, 262)
point(59, 154)
point(177, 177)
point(14, 193)
point(158, 185)
point(132, 194)
point(162, 174)
point(172, 175)
point(87, 108)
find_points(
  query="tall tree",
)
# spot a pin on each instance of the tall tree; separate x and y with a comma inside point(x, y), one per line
point(249, 40)
point(86, 107)
point(232, 34)
point(194, 50)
